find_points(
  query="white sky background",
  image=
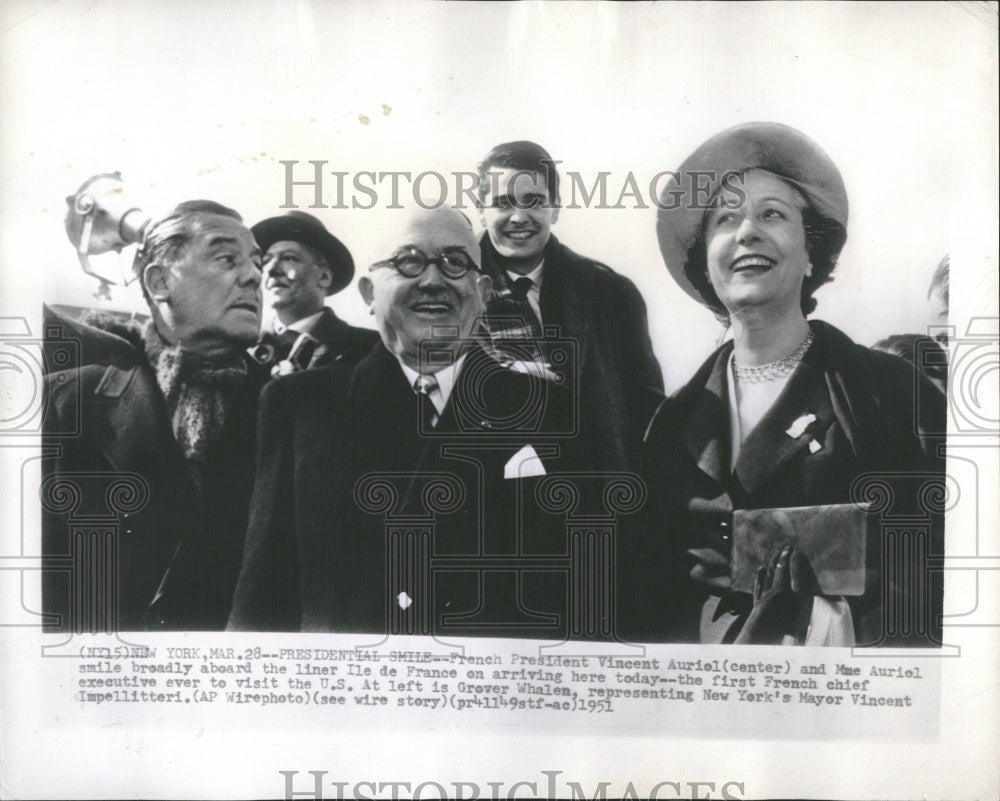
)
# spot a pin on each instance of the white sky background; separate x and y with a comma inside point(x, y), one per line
point(198, 99)
point(202, 100)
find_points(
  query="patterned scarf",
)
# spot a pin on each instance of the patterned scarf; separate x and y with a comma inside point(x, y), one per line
point(197, 392)
point(511, 322)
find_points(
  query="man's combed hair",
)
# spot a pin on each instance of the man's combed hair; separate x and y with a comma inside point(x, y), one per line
point(165, 240)
point(520, 155)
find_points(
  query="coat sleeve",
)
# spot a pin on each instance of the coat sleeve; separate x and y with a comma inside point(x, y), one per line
point(267, 596)
point(917, 410)
point(898, 421)
point(641, 370)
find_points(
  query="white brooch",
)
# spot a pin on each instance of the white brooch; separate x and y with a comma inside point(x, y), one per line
point(796, 429)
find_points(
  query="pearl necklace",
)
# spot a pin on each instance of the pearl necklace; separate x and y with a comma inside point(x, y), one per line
point(774, 370)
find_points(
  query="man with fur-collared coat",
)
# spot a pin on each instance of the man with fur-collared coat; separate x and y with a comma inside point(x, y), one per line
point(149, 455)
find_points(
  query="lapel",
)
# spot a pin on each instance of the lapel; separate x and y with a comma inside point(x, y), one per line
point(382, 404)
point(379, 391)
point(329, 328)
point(482, 378)
point(480, 372)
point(706, 424)
point(333, 336)
point(136, 434)
point(768, 446)
point(566, 296)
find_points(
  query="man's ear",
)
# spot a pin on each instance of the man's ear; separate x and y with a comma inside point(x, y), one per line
point(154, 281)
point(555, 215)
point(483, 286)
point(325, 278)
point(367, 290)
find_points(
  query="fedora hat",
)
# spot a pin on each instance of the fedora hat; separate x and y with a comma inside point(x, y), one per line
point(297, 226)
point(779, 149)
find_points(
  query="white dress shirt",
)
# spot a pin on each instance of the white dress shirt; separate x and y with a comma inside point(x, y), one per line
point(446, 378)
point(302, 326)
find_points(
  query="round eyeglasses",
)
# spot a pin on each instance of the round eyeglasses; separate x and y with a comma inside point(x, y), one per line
point(411, 262)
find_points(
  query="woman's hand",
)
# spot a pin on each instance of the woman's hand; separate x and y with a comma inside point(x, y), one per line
point(710, 570)
point(782, 595)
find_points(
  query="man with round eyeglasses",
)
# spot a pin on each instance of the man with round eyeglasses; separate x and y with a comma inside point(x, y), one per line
point(427, 427)
point(430, 288)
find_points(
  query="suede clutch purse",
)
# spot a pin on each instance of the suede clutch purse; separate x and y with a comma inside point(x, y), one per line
point(834, 539)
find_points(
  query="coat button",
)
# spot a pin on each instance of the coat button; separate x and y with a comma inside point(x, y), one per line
point(724, 531)
point(154, 620)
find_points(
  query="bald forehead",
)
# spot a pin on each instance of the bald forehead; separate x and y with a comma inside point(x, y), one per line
point(433, 230)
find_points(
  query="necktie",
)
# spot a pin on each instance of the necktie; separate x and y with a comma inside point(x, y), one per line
point(522, 286)
point(287, 338)
point(519, 290)
point(424, 385)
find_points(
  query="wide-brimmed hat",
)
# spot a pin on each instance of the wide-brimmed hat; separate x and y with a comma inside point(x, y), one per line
point(297, 226)
point(771, 146)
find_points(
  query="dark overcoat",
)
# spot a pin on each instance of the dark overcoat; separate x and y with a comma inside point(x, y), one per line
point(366, 519)
point(124, 524)
point(618, 379)
point(878, 436)
point(337, 343)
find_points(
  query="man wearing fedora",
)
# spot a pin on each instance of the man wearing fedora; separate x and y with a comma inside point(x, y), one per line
point(542, 288)
point(303, 265)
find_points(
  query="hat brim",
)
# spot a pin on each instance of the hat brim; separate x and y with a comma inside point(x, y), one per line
point(289, 229)
point(779, 149)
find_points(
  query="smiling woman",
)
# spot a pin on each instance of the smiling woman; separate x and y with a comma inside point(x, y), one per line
point(757, 257)
point(790, 413)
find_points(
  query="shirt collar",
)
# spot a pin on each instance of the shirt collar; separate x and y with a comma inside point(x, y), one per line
point(535, 275)
point(301, 326)
point(446, 378)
